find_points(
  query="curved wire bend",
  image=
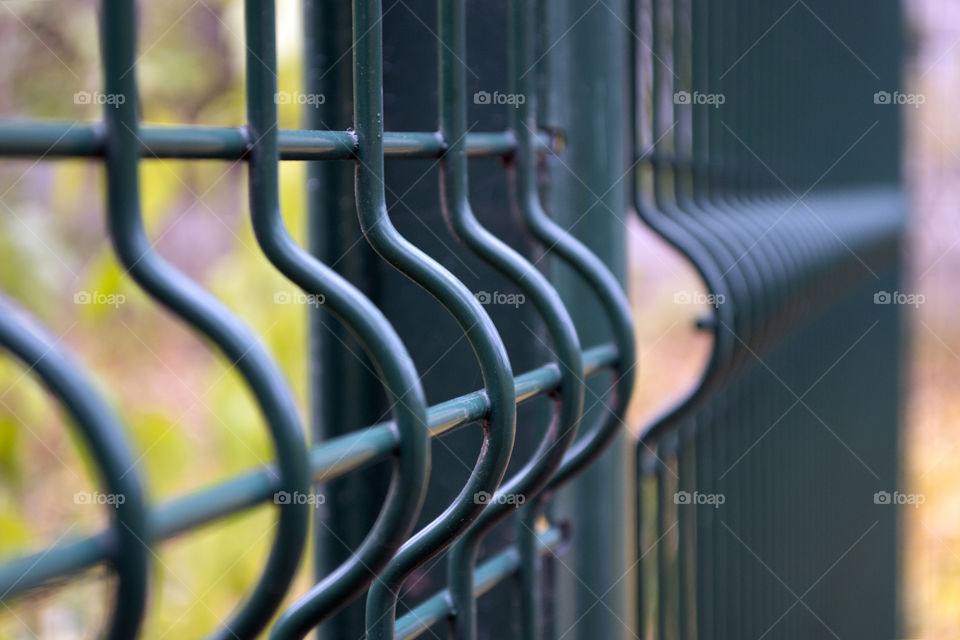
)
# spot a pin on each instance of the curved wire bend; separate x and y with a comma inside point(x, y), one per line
point(101, 430)
point(688, 244)
point(568, 404)
point(499, 430)
point(394, 366)
point(585, 450)
point(202, 311)
point(569, 249)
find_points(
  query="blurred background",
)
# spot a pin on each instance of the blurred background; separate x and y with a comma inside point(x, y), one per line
point(191, 417)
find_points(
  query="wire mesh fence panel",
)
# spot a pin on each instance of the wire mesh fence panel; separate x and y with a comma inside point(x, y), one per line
point(470, 171)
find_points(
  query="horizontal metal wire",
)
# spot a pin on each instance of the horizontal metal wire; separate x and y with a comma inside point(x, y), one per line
point(328, 460)
point(59, 140)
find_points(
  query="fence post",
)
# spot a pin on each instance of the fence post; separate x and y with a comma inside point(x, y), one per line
point(586, 100)
point(343, 393)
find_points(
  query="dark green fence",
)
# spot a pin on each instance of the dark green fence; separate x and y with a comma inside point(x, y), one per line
point(756, 136)
point(769, 157)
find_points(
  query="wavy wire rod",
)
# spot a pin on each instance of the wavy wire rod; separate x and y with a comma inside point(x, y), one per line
point(587, 265)
point(100, 429)
point(395, 369)
point(690, 244)
point(203, 312)
point(452, 294)
point(561, 430)
point(458, 601)
point(571, 251)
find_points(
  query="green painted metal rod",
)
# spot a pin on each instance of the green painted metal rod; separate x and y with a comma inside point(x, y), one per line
point(499, 429)
point(75, 140)
point(403, 497)
point(110, 454)
point(329, 460)
point(558, 435)
point(201, 311)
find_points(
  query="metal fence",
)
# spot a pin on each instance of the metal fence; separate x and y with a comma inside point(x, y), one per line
point(755, 136)
point(772, 162)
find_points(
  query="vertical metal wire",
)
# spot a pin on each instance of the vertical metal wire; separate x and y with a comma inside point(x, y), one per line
point(110, 451)
point(404, 498)
point(584, 263)
point(560, 432)
point(665, 597)
point(452, 294)
point(341, 384)
point(201, 311)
